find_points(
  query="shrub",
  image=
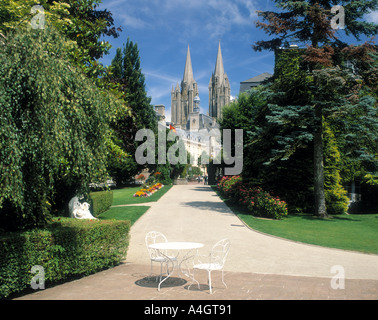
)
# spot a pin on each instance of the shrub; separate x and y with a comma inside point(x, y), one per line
point(263, 204)
point(65, 249)
point(259, 202)
point(101, 202)
point(336, 201)
point(230, 186)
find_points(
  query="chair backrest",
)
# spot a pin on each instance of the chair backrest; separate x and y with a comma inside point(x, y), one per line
point(219, 252)
point(154, 237)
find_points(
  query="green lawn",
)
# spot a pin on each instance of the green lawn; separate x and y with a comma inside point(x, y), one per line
point(357, 232)
point(132, 213)
point(349, 232)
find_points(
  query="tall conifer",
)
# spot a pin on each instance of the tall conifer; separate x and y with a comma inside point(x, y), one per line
point(314, 24)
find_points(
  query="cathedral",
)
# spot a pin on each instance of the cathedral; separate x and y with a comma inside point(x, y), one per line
point(183, 97)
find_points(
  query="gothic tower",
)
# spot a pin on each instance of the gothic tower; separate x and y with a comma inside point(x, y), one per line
point(219, 88)
point(182, 98)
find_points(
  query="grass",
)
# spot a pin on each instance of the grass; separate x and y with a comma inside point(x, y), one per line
point(124, 196)
point(348, 232)
point(132, 213)
point(356, 232)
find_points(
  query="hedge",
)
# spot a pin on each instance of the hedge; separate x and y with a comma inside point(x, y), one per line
point(67, 248)
point(101, 201)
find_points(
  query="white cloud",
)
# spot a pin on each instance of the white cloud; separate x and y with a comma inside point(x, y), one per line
point(162, 76)
point(372, 17)
point(132, 21)
point(214, 16)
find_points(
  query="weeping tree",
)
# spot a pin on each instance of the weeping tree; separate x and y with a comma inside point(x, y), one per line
point(327, 89)
point(54, 124)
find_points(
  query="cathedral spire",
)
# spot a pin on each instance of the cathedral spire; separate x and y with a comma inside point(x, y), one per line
point(219, 68)
point(219, 88)
point(188, 73)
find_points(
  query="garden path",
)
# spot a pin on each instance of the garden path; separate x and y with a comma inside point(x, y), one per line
point(196, 213)
point(258, 267)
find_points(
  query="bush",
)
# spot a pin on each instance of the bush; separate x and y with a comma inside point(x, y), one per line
point(263, 204)
point(101, 202)
point(67, 248)
point(164, 175)
point(336, 201)
point(230, 186)
point(259, 202)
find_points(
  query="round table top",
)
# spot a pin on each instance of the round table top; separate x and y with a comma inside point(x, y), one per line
point(181, 245)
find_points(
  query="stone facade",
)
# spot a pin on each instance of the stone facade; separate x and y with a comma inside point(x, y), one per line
point(182, 99)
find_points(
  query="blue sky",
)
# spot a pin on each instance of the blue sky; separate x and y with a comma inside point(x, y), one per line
point(164, 28)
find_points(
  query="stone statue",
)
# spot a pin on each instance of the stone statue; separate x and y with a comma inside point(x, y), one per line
point(79, 210)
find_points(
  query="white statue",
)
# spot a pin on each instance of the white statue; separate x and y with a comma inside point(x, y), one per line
point(79, 210)
point(83, 212)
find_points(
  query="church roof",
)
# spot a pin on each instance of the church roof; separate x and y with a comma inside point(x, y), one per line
point(219, 68)
point(188, 72)
point(259, 78)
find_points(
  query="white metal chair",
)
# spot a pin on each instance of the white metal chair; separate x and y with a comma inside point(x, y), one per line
point(153, 237)
point(214, 261)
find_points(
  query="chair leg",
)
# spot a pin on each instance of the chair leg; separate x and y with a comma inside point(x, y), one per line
point(223, 280)
point(211, 291)
point(161, 271)
point(193, 281)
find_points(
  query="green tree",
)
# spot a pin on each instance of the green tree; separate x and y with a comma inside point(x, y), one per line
point(80, 21)
point(309, 23)
point(127, 77)
point(135, 88)
point(54, 128)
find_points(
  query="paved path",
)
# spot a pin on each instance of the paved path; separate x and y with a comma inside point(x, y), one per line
point(258, 266)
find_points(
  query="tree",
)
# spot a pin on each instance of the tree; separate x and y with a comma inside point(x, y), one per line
point(310, 23)
point(127, 77)
point(54, 128)
point(80, 21)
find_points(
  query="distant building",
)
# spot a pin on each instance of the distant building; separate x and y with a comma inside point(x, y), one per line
point(200, 132)
point(182, 98)
point(219, 88)
point(254, 82)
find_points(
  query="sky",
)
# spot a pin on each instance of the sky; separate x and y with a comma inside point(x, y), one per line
point(163, 29)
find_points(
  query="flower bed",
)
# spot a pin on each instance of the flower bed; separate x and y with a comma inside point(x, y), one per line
point(258, 201)
point(148, 191)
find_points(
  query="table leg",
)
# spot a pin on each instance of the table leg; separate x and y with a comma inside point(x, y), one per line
point(187, 258)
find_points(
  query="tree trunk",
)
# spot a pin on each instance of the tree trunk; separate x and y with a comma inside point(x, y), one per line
point(320, 206)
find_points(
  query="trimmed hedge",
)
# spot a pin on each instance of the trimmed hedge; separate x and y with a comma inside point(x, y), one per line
point(67, 248)
point(101, 202)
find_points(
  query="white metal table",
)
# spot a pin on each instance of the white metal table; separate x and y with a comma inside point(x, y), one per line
point(180, 252)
